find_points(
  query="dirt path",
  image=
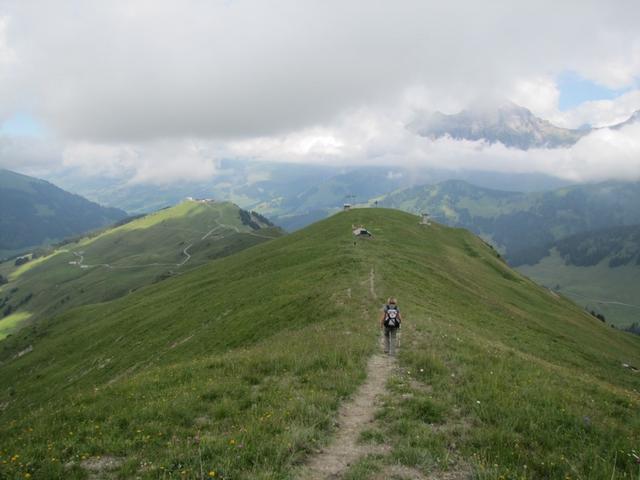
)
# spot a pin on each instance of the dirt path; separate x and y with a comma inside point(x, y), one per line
point(354, 416)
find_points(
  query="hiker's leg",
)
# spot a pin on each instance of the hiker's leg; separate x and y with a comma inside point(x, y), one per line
point(386, 340)
point(392, 341)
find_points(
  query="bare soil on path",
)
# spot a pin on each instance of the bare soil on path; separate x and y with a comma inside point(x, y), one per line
point(354, 417)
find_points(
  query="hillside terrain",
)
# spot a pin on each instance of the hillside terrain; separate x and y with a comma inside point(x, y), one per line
point(599, 270)
point(237, 369)
point(33, 212)
point(513, 221)
point(291, 195)
point(117, 261)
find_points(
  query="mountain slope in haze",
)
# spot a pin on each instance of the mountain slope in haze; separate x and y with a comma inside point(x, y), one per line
point(33, 212)
point(514, 221)
point(508, 123)
point(119, 260)
point(237, 369)
point(599, 270)
point(291, 195)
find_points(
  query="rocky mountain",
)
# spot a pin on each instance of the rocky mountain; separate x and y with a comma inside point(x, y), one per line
point(33, 212)
point(508, 123)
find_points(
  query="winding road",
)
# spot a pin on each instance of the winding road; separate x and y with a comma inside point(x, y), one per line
point(79, 262)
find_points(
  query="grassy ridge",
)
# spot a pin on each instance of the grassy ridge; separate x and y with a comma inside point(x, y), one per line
point(34, 212)
point(122, 259)
point(237, 368)
point(248, 353)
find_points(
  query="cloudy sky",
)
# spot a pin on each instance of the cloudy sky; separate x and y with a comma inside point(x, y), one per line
point(163, 90)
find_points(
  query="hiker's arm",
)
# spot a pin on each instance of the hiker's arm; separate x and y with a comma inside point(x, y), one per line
point(382, 320)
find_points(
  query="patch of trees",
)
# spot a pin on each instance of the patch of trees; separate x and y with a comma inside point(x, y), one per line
point(620, 244)
point(3, 280)
point(246, 219)
point(262, 218)
point(599, 316)
point(633, 328)
point(21, 261)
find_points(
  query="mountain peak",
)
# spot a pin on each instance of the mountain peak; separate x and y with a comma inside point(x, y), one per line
point(505, 122)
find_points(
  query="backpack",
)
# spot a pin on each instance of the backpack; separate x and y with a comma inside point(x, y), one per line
point(392, 317)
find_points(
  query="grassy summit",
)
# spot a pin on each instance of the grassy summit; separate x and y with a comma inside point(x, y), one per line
point(236, 369)
point(116, 261)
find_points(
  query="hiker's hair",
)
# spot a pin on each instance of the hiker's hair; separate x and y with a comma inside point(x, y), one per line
point(392, 300)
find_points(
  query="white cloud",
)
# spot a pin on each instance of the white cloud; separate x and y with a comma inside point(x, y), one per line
point(164, 89)
point(156, 162)
point(381, 140)
point(601, 113)
point(122, 71)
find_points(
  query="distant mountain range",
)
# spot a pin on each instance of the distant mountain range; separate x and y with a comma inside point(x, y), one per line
point(293, 196)
point(515, 222)
point(508, 123)
point(33, 212)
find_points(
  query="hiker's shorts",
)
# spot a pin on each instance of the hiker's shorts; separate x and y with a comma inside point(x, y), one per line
point(390, 340)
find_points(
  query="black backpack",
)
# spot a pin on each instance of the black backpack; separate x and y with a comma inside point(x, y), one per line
point(392, 317)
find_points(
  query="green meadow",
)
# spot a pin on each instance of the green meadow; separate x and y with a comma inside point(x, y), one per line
point(612, 292)
point(236, 369)
point(116, 261)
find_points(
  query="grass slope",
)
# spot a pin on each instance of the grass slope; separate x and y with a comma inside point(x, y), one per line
point(119, 260)
point(598, 269)
point(236, 370)
point(33, 212)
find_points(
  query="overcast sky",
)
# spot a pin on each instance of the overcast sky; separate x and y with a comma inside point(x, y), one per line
point(164, 89)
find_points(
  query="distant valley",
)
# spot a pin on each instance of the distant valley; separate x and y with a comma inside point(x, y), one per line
point(598, 269)
point(529, 229)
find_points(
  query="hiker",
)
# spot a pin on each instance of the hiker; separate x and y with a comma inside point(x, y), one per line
point(390, 322)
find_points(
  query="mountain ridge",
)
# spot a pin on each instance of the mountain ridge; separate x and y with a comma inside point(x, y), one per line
point(33, 212)
point(239, 367)
point(506, 123)
point(116, 261)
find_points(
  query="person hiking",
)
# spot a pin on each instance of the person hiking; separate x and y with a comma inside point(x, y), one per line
point(390, 321)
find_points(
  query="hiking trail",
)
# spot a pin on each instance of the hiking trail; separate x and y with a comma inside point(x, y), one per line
point(354, 416)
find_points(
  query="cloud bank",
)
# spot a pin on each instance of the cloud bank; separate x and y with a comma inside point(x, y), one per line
point(164, 89)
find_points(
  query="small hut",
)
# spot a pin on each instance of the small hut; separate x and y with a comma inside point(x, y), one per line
point(425, 220)
point(346, 206)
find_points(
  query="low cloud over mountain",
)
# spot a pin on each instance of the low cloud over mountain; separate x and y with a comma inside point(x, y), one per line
point(164, 90)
